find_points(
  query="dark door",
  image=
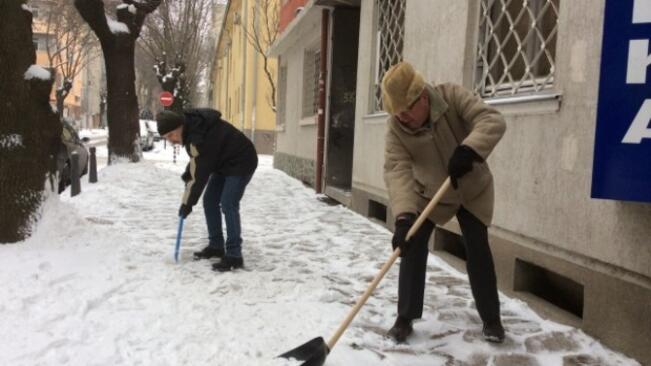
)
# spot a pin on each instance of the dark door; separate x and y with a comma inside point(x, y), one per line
point(341, 125)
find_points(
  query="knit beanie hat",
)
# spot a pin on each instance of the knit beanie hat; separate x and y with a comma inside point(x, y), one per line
point(168, 121)
point(401, 87)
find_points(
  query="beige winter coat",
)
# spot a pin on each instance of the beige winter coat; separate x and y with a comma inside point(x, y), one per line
point(416, 160)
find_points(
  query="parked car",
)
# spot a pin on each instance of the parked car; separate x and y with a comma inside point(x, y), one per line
point(70, 142)
point(147, 135)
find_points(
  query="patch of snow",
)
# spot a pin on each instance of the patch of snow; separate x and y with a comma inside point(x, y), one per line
point(116, 27)
point(132, 9)
point(27, 8)
point(12, 141)
point(38, 72)
point(96, 284)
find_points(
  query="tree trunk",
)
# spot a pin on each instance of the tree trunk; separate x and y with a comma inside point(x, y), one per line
point(30, 133)
point(61, 95)
point(118, 42)
point(122, 101)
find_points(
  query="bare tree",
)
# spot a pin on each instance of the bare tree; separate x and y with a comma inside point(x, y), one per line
point(118, 40)
point(70, 45)
point(30, 134)
point(266, 20)
point(177, 41)
point(147, 85)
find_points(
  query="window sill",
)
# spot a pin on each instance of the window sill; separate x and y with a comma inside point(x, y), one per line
point(528, 104)
point(308, 121)
point(377, 118)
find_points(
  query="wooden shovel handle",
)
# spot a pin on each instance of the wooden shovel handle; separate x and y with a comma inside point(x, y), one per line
point(385, 268)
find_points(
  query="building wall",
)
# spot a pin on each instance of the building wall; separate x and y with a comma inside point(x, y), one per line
point(93, 84)
point(296, 139)
point(72, 104)
point(543, 165)
point(241, 90)
point(370, 127)
point(288, 11)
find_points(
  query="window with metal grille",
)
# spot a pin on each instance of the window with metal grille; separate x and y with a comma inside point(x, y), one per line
point(311, 68)
point(390, 41)
point(517, 47)
point(282, 97)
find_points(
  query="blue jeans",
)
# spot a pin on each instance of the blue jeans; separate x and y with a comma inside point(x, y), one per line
point(223, 194)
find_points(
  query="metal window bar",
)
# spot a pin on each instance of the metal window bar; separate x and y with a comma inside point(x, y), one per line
point(282, 97)
point(517, 47)
point(391, 33)
point(316, 77)
point(311, 68)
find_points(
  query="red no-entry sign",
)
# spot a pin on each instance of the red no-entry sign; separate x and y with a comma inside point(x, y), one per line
point(166, 99)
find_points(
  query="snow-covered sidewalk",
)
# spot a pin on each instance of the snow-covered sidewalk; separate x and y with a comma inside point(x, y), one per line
point(96, 285)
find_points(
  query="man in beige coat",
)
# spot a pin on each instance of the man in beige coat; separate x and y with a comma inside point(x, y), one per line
point(436, 131)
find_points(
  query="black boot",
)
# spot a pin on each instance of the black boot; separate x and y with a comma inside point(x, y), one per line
point(228, 264)
point(493, 332)
point(209, 252)
point(401, 329)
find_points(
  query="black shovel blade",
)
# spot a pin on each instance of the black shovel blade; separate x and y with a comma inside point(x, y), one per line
point(313, 352)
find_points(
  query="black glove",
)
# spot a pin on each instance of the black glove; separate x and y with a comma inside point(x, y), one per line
point(184, 211)
point(186, 177)
point(460, 163)
point(403, 224)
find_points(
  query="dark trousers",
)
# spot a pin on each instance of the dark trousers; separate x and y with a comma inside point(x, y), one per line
point(223, 194)
point(479, 263)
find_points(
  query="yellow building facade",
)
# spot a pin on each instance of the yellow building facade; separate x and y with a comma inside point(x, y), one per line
point(241, 89)
point(72, 104)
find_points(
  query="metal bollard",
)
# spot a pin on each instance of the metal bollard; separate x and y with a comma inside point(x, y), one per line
point(75, 185)
point(92, 172)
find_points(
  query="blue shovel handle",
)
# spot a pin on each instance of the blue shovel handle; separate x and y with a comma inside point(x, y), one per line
point(178, 240)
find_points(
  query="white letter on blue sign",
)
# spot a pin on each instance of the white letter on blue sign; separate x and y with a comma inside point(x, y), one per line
point(642, 11)
point(638, 61)
point(640, 127)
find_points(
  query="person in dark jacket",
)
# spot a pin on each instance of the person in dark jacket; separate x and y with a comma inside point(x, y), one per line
point(223, 161)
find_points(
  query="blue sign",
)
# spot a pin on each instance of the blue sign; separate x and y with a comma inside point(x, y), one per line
point(622, 155)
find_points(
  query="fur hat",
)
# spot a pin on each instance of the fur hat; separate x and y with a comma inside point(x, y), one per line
point(401, 87)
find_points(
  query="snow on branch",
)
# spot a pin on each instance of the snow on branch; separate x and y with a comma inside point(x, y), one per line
point(8, 142)
point(116, 27)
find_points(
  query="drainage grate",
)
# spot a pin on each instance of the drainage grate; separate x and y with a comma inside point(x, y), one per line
point(552, 287)
point(377, 211)
point(449, 242)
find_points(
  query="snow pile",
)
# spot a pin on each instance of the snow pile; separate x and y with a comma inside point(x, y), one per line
point(97, 285)
point(9, 142)
point(38, 72)
point(117, 27)
point(94, 134)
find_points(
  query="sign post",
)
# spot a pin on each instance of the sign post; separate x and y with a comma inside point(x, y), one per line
point(622, 154)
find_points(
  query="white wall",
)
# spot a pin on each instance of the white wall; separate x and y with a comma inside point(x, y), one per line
point(543, 165)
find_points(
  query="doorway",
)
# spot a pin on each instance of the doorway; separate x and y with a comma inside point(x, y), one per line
point(341, 121)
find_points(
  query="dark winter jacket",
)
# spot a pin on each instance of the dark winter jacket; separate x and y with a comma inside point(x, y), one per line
point(214, 146)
